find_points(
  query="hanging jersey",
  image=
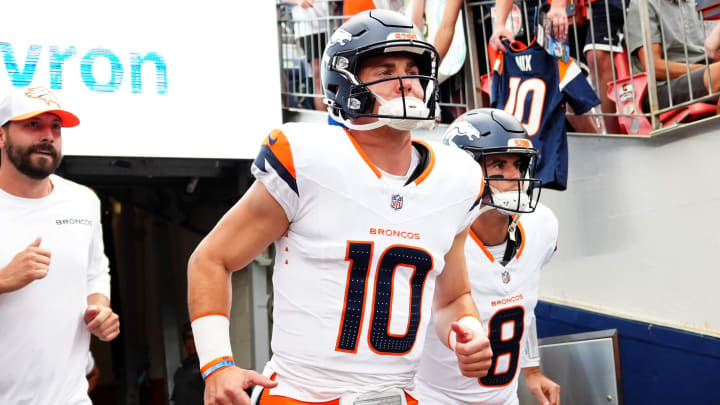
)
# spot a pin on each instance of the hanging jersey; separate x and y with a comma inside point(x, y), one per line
point(505, 298)
point(534, 86)
point(355, 274)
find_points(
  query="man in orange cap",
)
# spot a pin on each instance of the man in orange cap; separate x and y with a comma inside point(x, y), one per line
point(54, 280)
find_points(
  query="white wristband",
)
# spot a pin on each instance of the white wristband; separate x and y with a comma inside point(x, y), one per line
point(212, 337)
point(467, 322)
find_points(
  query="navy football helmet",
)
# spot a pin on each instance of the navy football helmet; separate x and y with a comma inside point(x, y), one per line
point(372, 33)
point(485, 132)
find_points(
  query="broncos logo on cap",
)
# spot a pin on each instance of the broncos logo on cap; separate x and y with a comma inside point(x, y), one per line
point(43, 94)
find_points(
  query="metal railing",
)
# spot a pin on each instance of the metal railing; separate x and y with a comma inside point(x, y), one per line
point(303, 35)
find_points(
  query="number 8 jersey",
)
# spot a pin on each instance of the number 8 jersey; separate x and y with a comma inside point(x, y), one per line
point(505, 297)
point(533, 86)
point(355, 274)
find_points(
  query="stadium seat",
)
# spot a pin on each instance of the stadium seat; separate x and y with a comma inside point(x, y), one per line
point(639, 124)
point(710, 9)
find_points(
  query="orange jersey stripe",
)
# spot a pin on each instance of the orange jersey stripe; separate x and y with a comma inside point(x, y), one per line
point(499, 63)
point(482, 189)
point(280, 147)
point(267, 399)
point(363, 155)
point(522, 244)
point(563, 68)
point(482, 246)
point(430, 165)
point(208, 314)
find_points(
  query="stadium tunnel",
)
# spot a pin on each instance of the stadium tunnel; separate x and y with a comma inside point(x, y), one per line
point(154, 212)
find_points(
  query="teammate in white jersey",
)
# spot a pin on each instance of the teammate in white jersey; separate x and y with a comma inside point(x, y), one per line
point(54, 281)
point(369, 228)
point(508, 244)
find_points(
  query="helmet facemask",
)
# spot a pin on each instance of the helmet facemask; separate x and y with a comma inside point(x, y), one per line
point(521, 199)
point(405, 112)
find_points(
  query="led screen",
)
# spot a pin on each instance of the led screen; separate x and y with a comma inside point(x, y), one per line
point(150, 78)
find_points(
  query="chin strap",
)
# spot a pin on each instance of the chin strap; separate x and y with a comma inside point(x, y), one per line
point(512, 227)
point(514, 240)
point(413, 108)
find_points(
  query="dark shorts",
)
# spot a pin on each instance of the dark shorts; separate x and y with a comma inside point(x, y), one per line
point(599, 35)
point(313, 45)
point(680, 90)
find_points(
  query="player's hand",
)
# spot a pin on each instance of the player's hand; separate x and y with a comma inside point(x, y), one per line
point(27, 266)
point(473, 351)
point(558, 21)
point(498, 35)
point(544, 389)
point(228, 386)
point(102, 322)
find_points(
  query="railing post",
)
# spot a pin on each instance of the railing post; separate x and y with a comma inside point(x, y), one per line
point(472, 72)
point(649, 64)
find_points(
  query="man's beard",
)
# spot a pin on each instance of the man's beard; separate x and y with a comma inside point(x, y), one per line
point(21, 158)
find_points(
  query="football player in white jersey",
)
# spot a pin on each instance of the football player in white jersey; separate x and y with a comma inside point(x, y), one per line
point(509, 242)
point(369, 228)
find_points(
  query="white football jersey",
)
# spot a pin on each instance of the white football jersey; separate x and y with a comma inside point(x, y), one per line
point(506, 298)
point(355, 274)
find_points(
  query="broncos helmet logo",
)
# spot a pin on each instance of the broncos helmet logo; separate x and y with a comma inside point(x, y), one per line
point(340, 36)
point(43, 94)
point(461, 129)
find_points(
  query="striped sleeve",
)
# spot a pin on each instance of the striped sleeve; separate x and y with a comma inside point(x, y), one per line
point(577, 90)
point(497, 89)
point(275, 169)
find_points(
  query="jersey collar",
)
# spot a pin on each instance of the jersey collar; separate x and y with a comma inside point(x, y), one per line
point(519, 46)
point(421, 172)
point(490, 257)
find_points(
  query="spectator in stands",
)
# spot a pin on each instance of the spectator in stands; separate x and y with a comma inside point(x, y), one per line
point(443, 38)
point(557, 16)
point(311, 27)
point(603, 36)
point(675, 30)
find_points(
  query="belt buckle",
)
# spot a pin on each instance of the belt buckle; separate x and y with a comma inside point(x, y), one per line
point(394, 396)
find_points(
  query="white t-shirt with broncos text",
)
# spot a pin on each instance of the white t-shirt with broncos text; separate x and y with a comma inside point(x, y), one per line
point(44, 338)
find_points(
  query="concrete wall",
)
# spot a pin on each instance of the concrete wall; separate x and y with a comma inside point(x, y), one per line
point(638, 229)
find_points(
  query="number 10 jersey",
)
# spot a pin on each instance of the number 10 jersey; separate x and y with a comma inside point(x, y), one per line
point(355, 274)
point(534, 86)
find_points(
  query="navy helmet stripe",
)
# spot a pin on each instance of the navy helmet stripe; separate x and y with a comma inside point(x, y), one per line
point(267, 155)
point(475, 204)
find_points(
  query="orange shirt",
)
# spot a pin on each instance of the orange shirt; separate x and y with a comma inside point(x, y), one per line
point(352, 7)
